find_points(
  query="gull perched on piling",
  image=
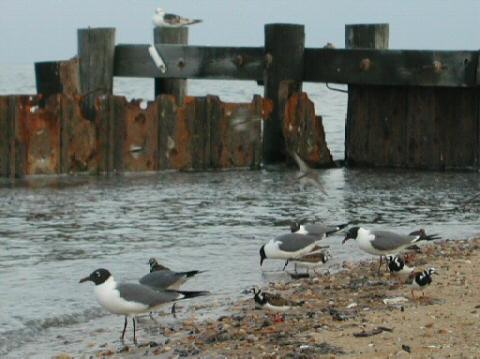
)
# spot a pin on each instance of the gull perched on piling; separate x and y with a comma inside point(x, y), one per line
point(163, 19)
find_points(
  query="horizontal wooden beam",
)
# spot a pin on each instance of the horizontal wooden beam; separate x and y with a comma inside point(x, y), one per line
point(193, 62)
point(391, 67)
point(347, 66)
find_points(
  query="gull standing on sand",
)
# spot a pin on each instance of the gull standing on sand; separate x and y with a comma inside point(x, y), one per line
point(287, 246)
point(129, 299)
point(383, 243)
point(162, 19)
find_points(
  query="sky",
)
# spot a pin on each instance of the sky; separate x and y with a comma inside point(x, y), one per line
point(45, 30)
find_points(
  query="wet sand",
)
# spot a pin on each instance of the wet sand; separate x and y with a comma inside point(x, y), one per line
point(344, 315)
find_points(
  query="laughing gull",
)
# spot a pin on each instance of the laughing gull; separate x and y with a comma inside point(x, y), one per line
point(308, 176)
point(398, 267)
point(273, 302)
point(316, 229)
point(287, 246)
point(161, 277)
point(162, 19)
point(420, 280)
point(382, 243)
point(129, 299)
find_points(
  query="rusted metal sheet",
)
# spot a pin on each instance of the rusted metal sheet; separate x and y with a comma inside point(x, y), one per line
point(37, 137)
point(304, 133)
point(4, 137)
point(78, 138)
point(140, 149)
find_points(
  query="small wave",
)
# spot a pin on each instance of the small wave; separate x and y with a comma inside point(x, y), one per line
point(12, 339)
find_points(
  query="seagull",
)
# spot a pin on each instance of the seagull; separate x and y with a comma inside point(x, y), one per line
point(161, 277)
point(315, 229)
point(397, 266)
point(287, 246)
point(382, 243)
point(421, 279)
point(129, 299)
point(313, 260)
point(162, 19)
point(273, 302)
point(308, 176)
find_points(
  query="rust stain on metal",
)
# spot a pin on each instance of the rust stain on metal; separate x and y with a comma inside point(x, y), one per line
point(141, 138)
point(39, 135)
point(304, 132)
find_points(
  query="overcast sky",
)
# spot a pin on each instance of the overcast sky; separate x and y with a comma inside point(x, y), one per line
point(43, 30)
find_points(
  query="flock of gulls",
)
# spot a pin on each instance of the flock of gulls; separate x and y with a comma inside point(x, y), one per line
point(302, 246)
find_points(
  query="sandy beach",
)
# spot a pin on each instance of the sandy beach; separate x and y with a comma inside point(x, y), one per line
point(349, 314)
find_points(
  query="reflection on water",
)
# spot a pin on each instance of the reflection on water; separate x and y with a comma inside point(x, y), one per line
point(53, 231)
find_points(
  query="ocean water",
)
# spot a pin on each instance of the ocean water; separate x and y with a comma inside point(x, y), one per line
point(54, 231)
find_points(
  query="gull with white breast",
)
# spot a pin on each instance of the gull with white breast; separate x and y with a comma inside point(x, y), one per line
point(164, 19)
point(130, 299)
point(383, 243)
point(287, 246)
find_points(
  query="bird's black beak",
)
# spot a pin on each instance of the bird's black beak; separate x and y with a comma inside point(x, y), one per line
point(84, 279)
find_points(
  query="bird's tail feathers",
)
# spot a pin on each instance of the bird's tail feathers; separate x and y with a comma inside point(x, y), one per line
point(337, 228)
point(191, 293)
point(196, 21)
point(192, 273)
point(422, 236)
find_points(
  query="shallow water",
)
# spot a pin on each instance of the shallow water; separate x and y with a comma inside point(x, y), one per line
point(54, 231)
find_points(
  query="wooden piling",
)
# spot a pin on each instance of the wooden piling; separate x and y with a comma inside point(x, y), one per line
point(284, 53)
point(171, 35)
point(362, 36)
point(96, 48)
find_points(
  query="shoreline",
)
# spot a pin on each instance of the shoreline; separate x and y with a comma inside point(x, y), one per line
point(344, 315)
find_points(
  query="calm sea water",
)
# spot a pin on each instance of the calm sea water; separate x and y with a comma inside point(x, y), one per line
point(54, 231)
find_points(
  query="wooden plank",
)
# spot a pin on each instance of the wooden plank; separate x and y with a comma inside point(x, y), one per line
point(391, 67)
point(192, 62)
point(167, 131)
point(171, 35)
point(370, 36)
point(96, 48)
point(284, 45)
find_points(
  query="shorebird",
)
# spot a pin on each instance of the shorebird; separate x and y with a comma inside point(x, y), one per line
point(273, 302)
point(161, 277)
point(163, 19)
point(314, 259)
point(382, 243)
point(398, 267)
point(129, 299)
point(420, 280)
point(287, 246)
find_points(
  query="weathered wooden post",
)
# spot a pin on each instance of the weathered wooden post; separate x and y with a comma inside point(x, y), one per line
point(96, 49)
point(284, 51)
point(361, 36)
point(171, 35)
point(47, 78)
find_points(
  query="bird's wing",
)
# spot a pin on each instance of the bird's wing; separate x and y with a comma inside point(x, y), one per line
point(276, 300)
point(171, 19)
point(145, 295)
point(160, 279)
point(302, 166)
point(293, 242)
point(385, 240)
